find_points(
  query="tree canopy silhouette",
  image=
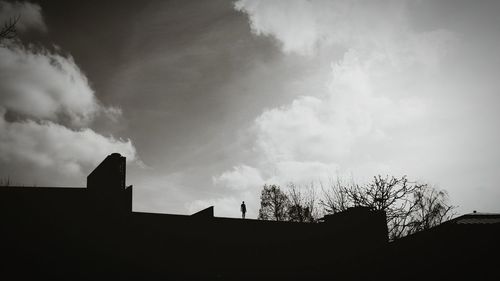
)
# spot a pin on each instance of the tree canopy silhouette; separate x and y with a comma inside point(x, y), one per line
point(292, 204)
point(409, 206)
point(273, 204)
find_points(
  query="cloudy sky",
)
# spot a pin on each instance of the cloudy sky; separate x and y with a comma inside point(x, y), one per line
point(209, 100)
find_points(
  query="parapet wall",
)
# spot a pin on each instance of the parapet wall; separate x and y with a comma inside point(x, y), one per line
point(93, 230)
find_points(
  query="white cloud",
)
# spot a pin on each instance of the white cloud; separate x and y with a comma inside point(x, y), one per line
point(317, 136)
point(46, 109)
point(40, 84)
point(30, 15)
point(367, 110)
point(303, 26)
point(240, 178)
point(56, 148)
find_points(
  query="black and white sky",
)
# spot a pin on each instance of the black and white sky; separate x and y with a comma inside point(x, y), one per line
point(209, 100)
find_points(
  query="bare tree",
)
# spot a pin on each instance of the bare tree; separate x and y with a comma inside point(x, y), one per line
point(432, 209)
point(8, 30)
point(302, 204)
point(335, 197)
point(273, 204)
point(392, 195)
point(409, 206)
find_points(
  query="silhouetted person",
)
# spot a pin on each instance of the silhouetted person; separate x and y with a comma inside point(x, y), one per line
point(243, 209)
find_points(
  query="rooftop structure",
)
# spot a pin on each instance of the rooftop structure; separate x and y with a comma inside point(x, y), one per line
point(89, 233)
point(93, 230)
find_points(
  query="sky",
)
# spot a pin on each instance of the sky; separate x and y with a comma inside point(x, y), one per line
point(210, 100)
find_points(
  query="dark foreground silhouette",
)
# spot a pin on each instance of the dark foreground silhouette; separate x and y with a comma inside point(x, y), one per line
point(92, 233)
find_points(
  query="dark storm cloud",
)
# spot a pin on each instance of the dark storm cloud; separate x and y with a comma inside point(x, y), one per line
point(192, 78)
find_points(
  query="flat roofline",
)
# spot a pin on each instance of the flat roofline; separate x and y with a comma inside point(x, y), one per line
point(19, 187)
point(214, 219)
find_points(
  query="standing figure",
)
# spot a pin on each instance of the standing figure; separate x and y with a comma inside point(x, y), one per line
point(243, 209)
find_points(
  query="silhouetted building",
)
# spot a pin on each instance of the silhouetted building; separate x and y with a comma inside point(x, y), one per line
point(464, 248)
point(92, 233)
point(106, 185)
